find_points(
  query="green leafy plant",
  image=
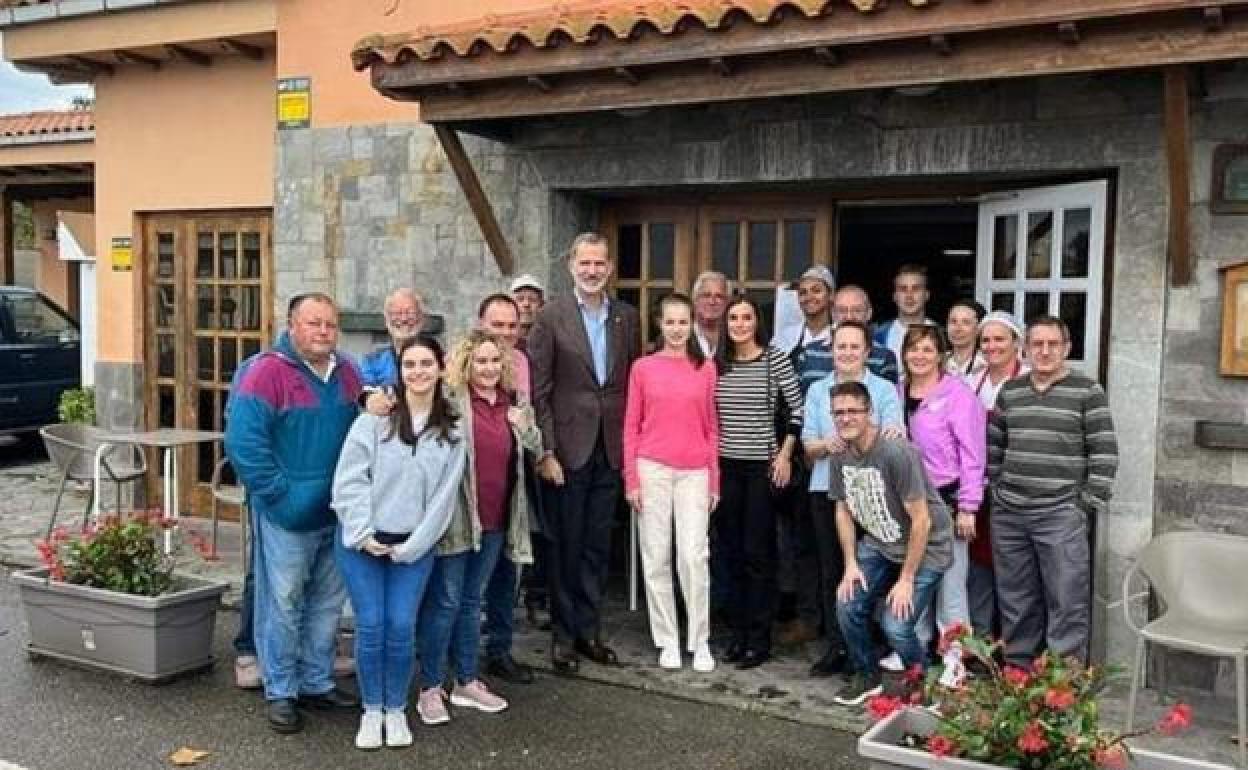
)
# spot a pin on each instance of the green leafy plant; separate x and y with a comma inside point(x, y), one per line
point(1042, 717)
point(119, 554)
point(77, 405)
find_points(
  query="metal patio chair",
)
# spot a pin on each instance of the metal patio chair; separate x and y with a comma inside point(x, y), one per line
point(230, 494)
point(72, 449)
point(1197, 578)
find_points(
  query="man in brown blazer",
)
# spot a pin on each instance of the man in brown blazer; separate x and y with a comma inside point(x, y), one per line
point(581, 347)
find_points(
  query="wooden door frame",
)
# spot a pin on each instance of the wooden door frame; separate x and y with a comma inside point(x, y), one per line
point(182, 222)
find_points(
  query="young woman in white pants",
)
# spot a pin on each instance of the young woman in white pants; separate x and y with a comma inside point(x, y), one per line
point(671, 478)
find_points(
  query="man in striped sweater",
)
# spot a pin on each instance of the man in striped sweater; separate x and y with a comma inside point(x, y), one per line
point(1052, 456)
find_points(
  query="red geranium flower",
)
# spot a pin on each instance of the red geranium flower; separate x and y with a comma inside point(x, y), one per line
point(950, 635)
point(881, 706)
point(1112, 757)
point(1032, 741)
point(1178, 718)
point(1016, 676)
point(940, 746)
point(1059, 698)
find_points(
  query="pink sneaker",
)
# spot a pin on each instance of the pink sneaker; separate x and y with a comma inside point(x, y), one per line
point(432, 707)
point(475, 695)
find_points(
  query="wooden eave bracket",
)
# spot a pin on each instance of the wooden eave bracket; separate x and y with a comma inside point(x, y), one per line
point(189, 55)
point(1178, 142)
point(470, 184)
point(130, 57)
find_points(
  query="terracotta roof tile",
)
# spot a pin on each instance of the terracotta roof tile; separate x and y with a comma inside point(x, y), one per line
point(46, 122)
point(583, 21)
point(15, 3)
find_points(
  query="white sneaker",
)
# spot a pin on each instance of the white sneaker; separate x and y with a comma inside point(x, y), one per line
point(669, 658)
point(369, 736)
point(398, 734)
point(703, 662)
point(892, 662)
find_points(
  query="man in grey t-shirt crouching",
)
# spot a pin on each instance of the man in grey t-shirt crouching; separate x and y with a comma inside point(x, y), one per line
point(880, 484)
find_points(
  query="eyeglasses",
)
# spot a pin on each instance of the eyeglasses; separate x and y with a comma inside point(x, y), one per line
point(843, 413)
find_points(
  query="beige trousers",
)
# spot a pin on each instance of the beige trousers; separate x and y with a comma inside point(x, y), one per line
point(679, 501)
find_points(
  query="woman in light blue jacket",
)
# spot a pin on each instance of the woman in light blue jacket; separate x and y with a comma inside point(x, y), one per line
point(395, 490)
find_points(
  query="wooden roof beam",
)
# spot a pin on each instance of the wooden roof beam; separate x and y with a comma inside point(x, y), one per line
point(92, 66)
point(477, 200)
point(942, 44)
point(245, 50)
point(627, 75)
point(542, 84)
point(1176, 121)
point(1068, 32)
point(721, 66)
point(130, 57)
point(827, 55)
point(189, 55)
point(1214, 19)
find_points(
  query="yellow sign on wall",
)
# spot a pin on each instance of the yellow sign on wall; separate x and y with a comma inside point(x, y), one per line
point(121, 254)
point(294, 102)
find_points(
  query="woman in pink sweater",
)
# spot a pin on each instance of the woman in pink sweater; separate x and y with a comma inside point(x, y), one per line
point(671, 478)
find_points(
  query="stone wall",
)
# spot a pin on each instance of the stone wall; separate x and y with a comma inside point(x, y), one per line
point(1198, 488)
point(363, 209)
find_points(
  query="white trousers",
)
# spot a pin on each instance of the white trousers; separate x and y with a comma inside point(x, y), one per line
point(679, 501)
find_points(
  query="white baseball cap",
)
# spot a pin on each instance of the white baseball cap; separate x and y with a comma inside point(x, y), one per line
point(1006, 320)
point(527, 281)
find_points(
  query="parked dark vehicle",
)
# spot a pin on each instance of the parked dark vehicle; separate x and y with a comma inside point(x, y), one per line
point(40, 357)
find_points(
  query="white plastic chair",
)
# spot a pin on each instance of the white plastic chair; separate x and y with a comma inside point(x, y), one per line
point(72, 448)
point(229, 494)
point(1197, 578)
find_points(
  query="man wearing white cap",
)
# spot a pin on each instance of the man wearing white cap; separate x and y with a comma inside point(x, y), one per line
point(530, 296)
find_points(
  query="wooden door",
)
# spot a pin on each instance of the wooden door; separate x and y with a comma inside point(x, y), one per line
point(209, 299)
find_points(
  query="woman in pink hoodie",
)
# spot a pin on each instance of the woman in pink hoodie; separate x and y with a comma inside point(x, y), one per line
point(671, 479)
point(949, 426)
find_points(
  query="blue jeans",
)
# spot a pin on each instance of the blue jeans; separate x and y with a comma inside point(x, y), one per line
point(299, 597)
point(450, 616)
point(855, 614)
point(386, 598)
point(500, 604)
point(245, 640)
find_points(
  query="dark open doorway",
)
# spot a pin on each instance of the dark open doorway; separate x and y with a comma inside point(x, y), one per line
point(876, 239)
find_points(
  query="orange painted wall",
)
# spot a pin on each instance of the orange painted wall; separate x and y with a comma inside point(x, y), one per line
point(51, 273)
point(315, 38)
point(183, 137)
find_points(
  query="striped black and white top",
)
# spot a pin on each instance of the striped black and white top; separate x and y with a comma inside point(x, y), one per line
point(747, 395)
point(1048, 449)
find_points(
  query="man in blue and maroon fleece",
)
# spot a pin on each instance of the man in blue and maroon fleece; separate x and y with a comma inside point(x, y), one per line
point(289, 416)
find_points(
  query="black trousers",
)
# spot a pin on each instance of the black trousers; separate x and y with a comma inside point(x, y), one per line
point(745, 524)
point(579, 536)
point(831, 564)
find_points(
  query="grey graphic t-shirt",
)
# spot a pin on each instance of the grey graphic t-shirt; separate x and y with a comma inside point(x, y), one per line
point(875, 486)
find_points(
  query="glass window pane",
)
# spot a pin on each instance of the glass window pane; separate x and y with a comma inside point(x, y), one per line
point(1003, 301)
point(762, 255)
point(205, 307)
point(1073, 309)
point(725, 239)
point(229, 255)
point(250, 348)
point(1076, 233)
point(798, 248)
point(662, 250)
point(1004, 247)
point(1235, 180)
point(205, 419)
point(164, 255)
point(229, 360)
point(1035, 303)
point(1039, 244)
point(36, 322)
point(166, 307)
point(166, 407)
point(766, 300)
point(205, 359)
point(629, 247)
point(249, 314)
point(204, 267)
point(229, 306)
point(165, 355)
point(251, 255)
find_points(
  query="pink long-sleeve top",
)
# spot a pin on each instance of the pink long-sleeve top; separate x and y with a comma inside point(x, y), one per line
point(950, 430)
point(670, 417)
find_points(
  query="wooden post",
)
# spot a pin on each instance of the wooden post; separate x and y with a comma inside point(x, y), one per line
point(1179, 168)
point(471, 185)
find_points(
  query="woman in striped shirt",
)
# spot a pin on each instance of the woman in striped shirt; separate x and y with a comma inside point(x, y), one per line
point(754, 380)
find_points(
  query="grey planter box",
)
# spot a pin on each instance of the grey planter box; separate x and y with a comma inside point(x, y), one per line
point(148, 638)
point(880, 746)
